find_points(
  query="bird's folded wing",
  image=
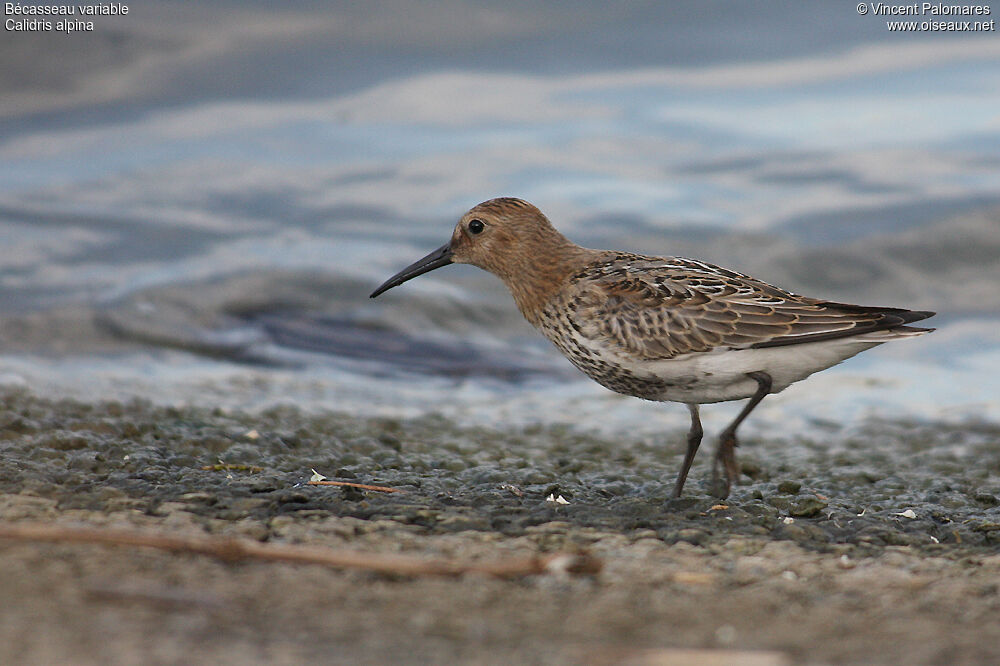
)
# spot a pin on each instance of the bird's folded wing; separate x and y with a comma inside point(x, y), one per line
point(660, 309)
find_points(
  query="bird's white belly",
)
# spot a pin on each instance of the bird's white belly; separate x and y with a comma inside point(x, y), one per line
point(722, 374)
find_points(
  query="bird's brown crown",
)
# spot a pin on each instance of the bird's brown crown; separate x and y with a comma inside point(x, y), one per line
point(513, 240)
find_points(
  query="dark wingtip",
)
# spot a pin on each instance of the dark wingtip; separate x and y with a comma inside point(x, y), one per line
point(917, 315)
point(887, 318)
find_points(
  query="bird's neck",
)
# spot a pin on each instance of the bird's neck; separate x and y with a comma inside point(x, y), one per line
point(535, 280)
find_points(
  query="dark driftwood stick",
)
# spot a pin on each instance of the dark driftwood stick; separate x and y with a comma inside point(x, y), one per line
point(233, 550)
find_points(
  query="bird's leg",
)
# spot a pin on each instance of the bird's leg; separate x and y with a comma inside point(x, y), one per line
point(694, 441)
point(725, 455)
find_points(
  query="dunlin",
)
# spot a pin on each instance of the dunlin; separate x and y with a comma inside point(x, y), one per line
point(662, 328)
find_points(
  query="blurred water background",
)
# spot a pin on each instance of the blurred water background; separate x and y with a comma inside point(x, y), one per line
point(197, 198)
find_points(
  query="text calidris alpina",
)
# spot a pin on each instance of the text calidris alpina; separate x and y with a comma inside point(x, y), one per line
point(662, 328)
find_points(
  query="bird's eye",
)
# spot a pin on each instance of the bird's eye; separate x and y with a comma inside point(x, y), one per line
point(476, 226)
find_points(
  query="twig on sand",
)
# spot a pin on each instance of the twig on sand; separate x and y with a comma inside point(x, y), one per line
point(361, 486)
point(235, 550)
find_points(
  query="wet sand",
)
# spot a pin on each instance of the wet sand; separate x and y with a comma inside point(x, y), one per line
point(879, 544)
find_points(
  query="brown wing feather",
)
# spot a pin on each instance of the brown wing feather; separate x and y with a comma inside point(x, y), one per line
point(662, 308)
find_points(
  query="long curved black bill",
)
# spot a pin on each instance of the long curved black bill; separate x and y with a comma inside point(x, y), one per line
point(436, 259)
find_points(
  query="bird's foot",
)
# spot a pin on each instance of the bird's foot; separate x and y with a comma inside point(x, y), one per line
point(720, 486)
point(725, 472)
